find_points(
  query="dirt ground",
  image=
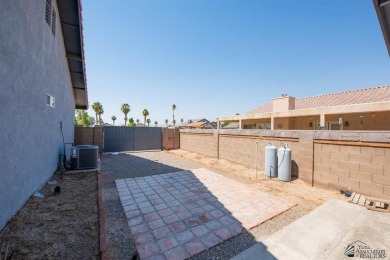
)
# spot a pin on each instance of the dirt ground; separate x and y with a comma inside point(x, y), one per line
point(64, 226)
point(295, 190)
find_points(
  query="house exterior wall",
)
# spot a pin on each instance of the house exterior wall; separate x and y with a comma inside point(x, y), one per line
point(371, 121)
point(282, 123)
point(359, 161)
point(32, 65)
point(375, 121)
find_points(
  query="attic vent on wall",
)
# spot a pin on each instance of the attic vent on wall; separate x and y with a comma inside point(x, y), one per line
point(50, 101)
point(48, 12)
point(53, 23)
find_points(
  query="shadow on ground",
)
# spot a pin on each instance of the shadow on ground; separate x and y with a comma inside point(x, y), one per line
point(126, 165)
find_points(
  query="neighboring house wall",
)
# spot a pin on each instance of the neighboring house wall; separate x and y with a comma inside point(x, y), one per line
point(356, 121)
point(32, 64)
point(359, 161)
point(371, 105)
point(370, 121)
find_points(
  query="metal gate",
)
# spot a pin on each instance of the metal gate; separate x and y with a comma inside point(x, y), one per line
point(124, 138)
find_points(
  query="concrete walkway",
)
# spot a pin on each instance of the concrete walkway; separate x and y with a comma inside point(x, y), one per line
point(325, 233)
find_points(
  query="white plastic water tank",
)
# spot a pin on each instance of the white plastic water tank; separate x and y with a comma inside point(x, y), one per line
point(271, 161)
point(284, 163)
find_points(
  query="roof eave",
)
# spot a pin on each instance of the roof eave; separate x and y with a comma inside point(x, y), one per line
point(72, 30)
point(382, 8)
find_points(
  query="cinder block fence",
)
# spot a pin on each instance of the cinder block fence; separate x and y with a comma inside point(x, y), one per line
point(171, 138)
point(89, 135)
point(358, 161)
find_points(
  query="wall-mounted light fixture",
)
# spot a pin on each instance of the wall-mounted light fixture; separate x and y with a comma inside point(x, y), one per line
point(310, 124)
point(361, 121)
point(346, 124)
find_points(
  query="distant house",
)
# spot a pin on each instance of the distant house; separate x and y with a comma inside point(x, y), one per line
point(43, 80)
point(231, 125)
point(198, 124)
point(362, 109)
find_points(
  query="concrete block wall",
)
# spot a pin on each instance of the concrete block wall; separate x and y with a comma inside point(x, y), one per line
point(359, 161)
point(206, 144)
point(360, 168)
point(171, 138)
point(304, 157)
point(242, 150)
point(89, 135)
point(240, 147)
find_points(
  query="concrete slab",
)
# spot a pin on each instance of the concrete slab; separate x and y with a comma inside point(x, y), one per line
point(325, 233)
point(178, 215)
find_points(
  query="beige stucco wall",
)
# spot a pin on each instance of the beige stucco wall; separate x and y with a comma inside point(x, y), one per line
point(371, 121)
point(378, 122)
point(282, 123)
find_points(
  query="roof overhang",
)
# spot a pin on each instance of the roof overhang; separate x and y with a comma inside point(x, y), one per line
point(382, 8)
point(72, 30)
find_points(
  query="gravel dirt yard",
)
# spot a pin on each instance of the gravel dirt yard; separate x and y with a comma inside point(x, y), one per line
point(127, 165)
point(64, 226)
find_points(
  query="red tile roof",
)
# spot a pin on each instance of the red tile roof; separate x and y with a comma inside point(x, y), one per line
point(360, 96)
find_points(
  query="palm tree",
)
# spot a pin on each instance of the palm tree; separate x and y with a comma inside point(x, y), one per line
point(155, 123)
point(182, 120)
point(125, 108)
point(101, 112)
point(96, 107)
point(145, 113)
point(166, 122)
point(113, 118)
point(137, 121)
point(148, 121)
point(173, 117)
point(131, 122)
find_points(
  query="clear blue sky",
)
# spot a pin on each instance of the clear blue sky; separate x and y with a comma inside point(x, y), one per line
point(218, 58)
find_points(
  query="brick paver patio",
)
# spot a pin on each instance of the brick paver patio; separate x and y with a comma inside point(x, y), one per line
point(178, 215)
